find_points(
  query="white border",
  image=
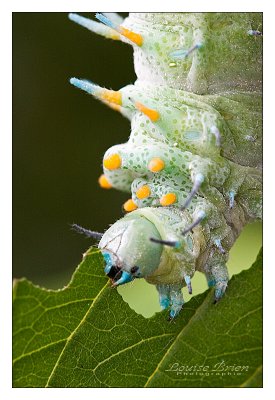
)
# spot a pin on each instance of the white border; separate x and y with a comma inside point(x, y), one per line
point(139, 6)
point(7, 7)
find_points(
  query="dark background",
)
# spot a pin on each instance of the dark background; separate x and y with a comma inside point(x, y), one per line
point(60, 135)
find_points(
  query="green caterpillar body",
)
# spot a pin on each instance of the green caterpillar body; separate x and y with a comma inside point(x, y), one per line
point(193, 159)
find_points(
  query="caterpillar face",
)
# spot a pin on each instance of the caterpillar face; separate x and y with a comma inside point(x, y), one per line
point(192, 163)
point(129, 248)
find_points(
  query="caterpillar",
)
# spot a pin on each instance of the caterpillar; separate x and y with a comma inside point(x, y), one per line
point(193, 161)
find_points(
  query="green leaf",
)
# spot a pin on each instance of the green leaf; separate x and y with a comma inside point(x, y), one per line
point(85, 335)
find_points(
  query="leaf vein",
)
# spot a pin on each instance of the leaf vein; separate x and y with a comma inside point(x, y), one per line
point(74, 331)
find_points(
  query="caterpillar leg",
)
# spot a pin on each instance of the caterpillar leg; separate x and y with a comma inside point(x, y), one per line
point(210, 280)
point(177, 301)
point(218, 277)
point(171, 295)
point(164, 298)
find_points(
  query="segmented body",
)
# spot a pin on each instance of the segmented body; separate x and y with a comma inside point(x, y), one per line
point(193, 159)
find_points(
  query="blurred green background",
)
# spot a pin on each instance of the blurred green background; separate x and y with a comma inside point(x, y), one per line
point(59, 138)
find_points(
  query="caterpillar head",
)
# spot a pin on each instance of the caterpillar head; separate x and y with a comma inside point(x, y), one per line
point(127, 250)
point(134, 247)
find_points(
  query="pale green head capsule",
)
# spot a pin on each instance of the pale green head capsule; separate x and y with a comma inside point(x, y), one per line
point(128, 251)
